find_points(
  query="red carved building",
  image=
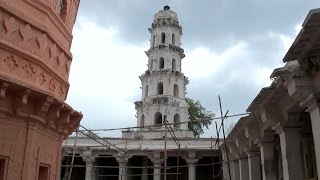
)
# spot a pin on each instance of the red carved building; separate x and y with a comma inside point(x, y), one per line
point(35, 59)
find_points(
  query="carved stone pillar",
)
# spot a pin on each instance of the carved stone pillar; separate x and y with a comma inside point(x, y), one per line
point(267, 159)
point(157, 169)
point(254, 165)
point(226, 175)
point(67, 169)
point(89, 166)
point(123, 168)
point(290, 152)
point(244, 168)
point(313, 104)
point(191, 168)
point(88, 158)
point(235, 170)
point(144, 175)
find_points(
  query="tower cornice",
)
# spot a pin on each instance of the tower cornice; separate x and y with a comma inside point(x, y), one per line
point(166, 47)
point(168, 72)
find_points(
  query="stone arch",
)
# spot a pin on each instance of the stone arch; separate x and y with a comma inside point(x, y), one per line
point(160, 88)
point(161, 63)
point(142, 121)
point(176, 120)
point(173, 38)
point(174, 65)
point(146, 91)
point(163, 37)
point(176, 90)
point(158, 118)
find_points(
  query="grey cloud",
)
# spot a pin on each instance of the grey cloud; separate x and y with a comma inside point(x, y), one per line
point(216, 24)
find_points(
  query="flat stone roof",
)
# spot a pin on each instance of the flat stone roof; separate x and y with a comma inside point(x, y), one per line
point(307, 39)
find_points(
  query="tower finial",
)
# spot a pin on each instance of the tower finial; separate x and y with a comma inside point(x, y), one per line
point(166, 7)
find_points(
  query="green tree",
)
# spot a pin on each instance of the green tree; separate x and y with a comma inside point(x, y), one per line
point(199, 117)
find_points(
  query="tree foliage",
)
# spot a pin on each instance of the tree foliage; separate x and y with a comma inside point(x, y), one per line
point(199, 117)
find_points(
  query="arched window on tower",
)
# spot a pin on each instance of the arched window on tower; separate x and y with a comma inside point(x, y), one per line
point(176, 90)
point(146, 91)
point(173, 38)
point(158, 118)
point(174, 64)
point(163, 37)
point(161, 63)
point(176, 120)
point(154, 40)
point(142, 121)
point(160, 88)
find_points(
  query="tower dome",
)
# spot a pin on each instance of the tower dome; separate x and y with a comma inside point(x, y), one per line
point(166, 13)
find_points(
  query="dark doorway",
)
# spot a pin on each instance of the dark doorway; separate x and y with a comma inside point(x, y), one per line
point(111, 169)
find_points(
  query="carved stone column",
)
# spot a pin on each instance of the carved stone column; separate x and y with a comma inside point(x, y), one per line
point(89, 166)
point(157, 169)
point(235, 171)
point(192, 168)
point(290, 151)
point(144, 175)
point(313, 104)
point(254, 165)
point(67, 168)
point(244, 168)
point(226, 175)
point(267, 159)
point(123, 168)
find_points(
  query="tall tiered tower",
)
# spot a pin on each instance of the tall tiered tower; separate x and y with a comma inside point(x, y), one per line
point(163, 83)
point(35, 59)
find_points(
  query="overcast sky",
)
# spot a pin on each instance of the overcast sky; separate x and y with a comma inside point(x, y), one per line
point(231, 48)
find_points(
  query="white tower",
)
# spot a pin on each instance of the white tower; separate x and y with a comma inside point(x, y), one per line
point(163, 83)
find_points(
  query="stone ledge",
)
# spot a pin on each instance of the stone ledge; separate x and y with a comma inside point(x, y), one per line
point(31, 105)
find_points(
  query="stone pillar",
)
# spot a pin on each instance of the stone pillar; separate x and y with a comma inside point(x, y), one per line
point(144, 175)
point(157, 169)
point(94, 171)
point(313, 108)
point(235, 170)
point(123, 168)
point(254, 165)
point(291, 155)
point(89, 164)
point(244, 168)
point(192, 168)
point(267, 155)
point(225, 162)
point(67, 169)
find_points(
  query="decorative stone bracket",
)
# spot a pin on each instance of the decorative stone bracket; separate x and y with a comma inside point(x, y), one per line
point(34, 106)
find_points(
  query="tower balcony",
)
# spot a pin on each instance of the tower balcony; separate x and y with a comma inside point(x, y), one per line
point(166, 46)
point(161, 100)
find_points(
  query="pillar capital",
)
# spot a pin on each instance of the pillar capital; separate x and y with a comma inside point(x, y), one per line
point(311, 102)
point(191, 161)
point(157, 162)
point(279, 129)
point(253, 152)
point(122, 159)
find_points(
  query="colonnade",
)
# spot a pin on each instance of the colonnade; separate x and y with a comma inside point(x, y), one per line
point(123, 168)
